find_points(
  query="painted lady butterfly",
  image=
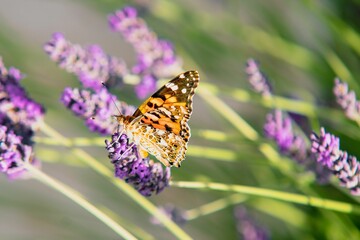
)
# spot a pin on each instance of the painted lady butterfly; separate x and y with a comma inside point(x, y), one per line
point(159, 126)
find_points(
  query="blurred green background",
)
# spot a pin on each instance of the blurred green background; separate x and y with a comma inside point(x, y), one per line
point(301, 45)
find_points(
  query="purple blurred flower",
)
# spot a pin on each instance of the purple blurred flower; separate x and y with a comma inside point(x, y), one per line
point(12, 153)
point(346, 168)
point(146, 86)
point(97, 109)
point(279, 129)
point(19, 117)
point(146, 176)
point(15, 102)
point(92, 65)
point(155, 57)
point(178, 216)
point(347, 100)
point(257, 79)
point(247, 228)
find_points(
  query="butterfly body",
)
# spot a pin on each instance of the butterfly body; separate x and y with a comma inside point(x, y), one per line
point(159, 126)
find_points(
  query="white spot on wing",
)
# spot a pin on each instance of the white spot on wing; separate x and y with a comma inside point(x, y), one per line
point(160, 132)
point(163, 142)
point(183, 90)
point(182, 76)
point(172, 86)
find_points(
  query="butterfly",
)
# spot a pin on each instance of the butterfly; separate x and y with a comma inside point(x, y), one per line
point(159, 126)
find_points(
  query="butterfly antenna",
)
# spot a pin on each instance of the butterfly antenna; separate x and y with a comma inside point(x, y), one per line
point(112, 99)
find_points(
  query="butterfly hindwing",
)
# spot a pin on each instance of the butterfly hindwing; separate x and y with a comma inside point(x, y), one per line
point(163, 139)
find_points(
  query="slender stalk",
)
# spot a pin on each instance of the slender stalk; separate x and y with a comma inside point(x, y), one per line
point(283, 196)
point(219, 154)
point(240, 124)
point(214, 206)
point(124, 187)
point(77, 198)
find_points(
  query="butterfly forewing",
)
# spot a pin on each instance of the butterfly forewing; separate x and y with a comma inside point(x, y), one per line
point(179, 90)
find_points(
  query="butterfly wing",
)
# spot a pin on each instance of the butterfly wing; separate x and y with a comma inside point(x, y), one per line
point(156, 137)
point(162, 119)
point(178, 91)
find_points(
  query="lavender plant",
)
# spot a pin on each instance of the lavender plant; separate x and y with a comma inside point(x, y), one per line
point(267, 183)
point(279, 127)
point(20, 116)
point(96, 106)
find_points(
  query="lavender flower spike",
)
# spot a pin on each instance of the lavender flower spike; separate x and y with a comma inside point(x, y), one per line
point(143, 174)
point(279, 128)
point(247, 228)
point(12, 153)
point(14, 101)
point(92, 65)
point(155, 58)
point(345, 167)
point(257, 79)
point(20, 116)
point(97, 109)
point(347, 100)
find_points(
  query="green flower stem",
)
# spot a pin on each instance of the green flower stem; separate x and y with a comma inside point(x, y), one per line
point(77, 198)
point(239, 123)
point(297, 106)
point(124, 187)
point(214, 206)
point(244, 128)
point(195, 151)
point(339, 67)
point(74, 142)
point(273, 194)
point(218, 154)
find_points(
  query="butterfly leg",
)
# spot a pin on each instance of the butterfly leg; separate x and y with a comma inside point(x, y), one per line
point(126, 150)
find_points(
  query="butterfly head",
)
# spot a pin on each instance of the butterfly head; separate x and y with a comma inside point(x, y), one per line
point(123, 120)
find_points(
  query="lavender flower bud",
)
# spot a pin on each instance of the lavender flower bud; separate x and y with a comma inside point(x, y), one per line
point(155, 58)
point(97, 109)
point(15, 102)
point(345, 167)
point(279, 129)
point(91, 65)
point(257, 79)
point(347, 100)
point(143, 174)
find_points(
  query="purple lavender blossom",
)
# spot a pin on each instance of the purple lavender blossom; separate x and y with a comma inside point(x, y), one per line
point(347, 100)
point(19, 117)
point(12, 153)
point(146, 86)
point(279, 129)
point(14, 100)
point(92, 65)
point(345, 167)
point(257, 79)
point(247, 228)
point(97, 109)
point(155, 57)
point(143, 174)
point(175, 214)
